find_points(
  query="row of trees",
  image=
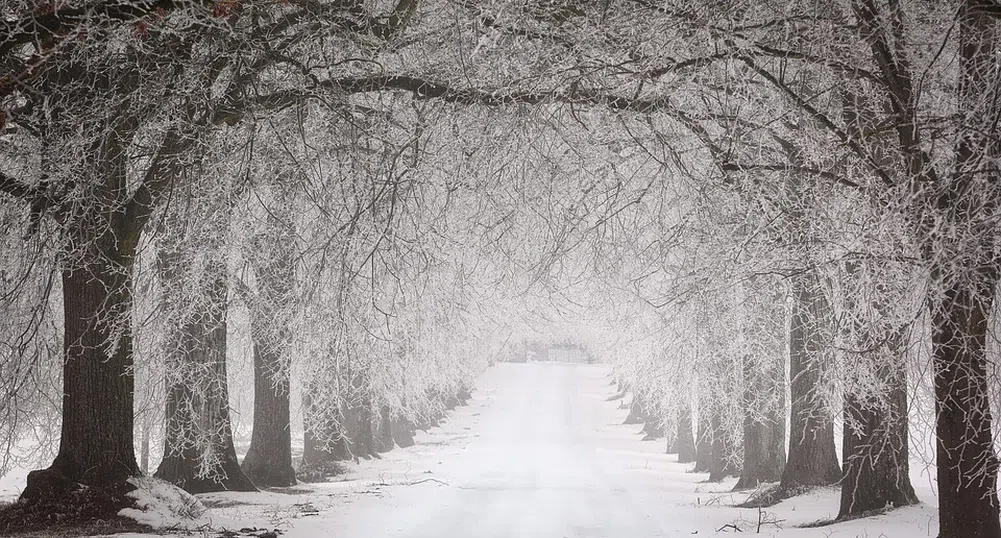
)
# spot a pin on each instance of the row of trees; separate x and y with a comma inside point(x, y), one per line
point(849, 193)
point(388, 179)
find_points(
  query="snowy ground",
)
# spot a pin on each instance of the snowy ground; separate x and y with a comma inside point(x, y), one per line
point(539, 452)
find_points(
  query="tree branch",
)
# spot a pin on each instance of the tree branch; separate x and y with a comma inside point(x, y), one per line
point(838, 67)
point(821, 118)
point(18, 189)
point(159, 178)
point(755, 167)
point(43, 27)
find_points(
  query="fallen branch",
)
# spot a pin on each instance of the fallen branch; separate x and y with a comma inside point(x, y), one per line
point(423, 480)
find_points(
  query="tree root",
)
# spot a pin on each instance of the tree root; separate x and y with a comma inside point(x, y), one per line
point(55, 503)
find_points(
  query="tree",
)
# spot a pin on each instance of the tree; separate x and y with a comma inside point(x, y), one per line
point(199, 455)
point(812, 459)
point(102, 220)
point(269, 459)
point(686, 442)
point(763, 402)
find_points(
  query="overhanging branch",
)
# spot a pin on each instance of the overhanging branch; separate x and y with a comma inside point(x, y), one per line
point(822, 119)
point(43, 27)
point(755, 167)
point(18, 189)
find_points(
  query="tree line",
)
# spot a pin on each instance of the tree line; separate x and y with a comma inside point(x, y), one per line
point(372, 176)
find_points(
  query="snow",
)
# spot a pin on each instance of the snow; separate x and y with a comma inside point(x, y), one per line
point(163, 505)
point(538, 452)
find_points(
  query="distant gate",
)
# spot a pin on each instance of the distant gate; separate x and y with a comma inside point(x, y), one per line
point(562, 354)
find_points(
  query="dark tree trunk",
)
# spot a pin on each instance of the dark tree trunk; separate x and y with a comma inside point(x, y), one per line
point(954, 222)
point(721, 451)
point(357, 439)
point(362, 437)
point(102, 215)
point(384, 437)
point(812, 459)
point(323, 443)
point(686, 441)
point(269, 459)
point(966, 463)
point(403, 433)
point(874, 445)
point(96, 446)
point(703, 444)
point(764, 423)
point(198, 450)
point(876, 470)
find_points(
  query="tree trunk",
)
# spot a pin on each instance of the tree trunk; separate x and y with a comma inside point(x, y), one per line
point(876, 470)
point(721, 461)
point(966, 463)
point(198, 450)
point(686, 441)
point(764, 423)
point(323, 443)
point(703, 444)
point(672, 444)
point(874, 445)
point(637, 415)
point(403, 433)
point(653, 429)
point(360, 428)
point(812, 459)
point(384, 437)
point(269, 459)
point(96, 446)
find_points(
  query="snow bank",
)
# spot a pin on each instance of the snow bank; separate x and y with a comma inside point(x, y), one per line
point(163, 505)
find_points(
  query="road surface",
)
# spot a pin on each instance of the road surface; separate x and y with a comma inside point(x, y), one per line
point(534, 454)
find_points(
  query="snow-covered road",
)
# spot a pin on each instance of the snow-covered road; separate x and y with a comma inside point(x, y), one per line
point(532, 468)
point(539, 452)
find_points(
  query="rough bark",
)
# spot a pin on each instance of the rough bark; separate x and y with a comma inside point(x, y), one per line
point(967, 466)
point(269, 459)
point(96, 444)
point(966, 463)
point(812, 458)
point(199, 455)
